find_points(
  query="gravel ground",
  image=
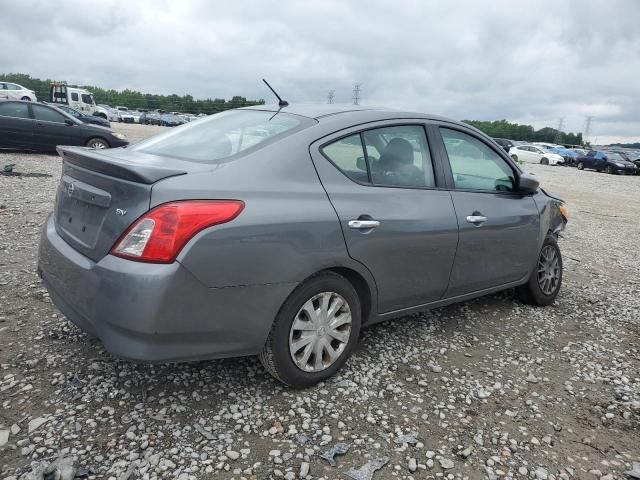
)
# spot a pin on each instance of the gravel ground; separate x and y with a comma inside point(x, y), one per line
point(486, 389)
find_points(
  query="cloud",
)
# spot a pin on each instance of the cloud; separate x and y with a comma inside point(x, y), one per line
point(533, 62)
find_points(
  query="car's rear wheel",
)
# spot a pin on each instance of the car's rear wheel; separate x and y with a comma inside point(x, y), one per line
point(545, 281)
point(314, 332)
point(97, 143)
point(544, 161)
point(610, 170)
point(514, 157)
point(580, 166)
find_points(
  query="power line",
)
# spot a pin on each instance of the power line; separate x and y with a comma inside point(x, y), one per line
point(330, 96)
point(356, 93)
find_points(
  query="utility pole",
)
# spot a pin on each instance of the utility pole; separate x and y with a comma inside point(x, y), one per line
point(558, 136)
point(356, 93)
point(587, 128)
point(330, 96)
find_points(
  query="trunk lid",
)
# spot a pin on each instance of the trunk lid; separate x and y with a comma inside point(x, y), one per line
point(102, 192)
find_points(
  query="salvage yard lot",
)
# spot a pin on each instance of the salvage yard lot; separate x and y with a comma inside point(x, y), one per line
point(491, 388)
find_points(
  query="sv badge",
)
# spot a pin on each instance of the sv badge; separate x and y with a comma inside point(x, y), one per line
point(121, 211)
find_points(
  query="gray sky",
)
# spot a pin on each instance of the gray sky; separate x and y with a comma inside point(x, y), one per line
point(531, 62)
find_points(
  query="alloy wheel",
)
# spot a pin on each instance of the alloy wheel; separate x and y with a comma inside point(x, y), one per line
point(320, 332)
point(548, 270)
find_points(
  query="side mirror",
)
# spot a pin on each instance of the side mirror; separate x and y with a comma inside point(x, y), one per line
point(361, 164)
point(527, 183)
point(69, 122)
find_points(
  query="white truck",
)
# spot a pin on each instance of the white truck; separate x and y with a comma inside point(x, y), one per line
point(76, 98)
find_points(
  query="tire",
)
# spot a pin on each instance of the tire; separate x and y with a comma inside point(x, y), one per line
point(514, 157)
point(102, 115)
point(610, 170)
point(543, 286)
point(97, 143)
point(276, 356)
point(580, 166)
point(544, 161)
point(28, 99)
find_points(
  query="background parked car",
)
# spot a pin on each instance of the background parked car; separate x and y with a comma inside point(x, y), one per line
point(610, 162)
point(92, 119)
point(567, 154)
point(126, 116)
point(106, 111)
point(36, 126)
point(504, 143)
point(170, 120)
point(150, 118)
point(535, 154)
point(13, 91)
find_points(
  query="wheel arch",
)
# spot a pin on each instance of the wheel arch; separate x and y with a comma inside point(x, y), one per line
point(361, 286)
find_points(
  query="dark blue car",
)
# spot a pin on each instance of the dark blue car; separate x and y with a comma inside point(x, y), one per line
point(91, 119)
point(610, 162)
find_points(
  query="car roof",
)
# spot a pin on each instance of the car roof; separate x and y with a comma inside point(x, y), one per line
point(318, 111)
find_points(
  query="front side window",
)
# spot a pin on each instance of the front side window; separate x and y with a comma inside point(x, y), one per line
point(222, 135)
point(47, 114)
point(475, 166)
point(12, 109)
point(3, 86)
point(87, 98)
point(74, 96)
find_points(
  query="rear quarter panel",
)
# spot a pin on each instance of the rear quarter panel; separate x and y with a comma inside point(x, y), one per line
point(287, 231)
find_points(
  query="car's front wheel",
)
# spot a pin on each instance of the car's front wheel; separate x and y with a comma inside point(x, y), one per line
point(314, 332)
point(544, 161)
point(514, 157)
point(97, 143)
point(580, 166)
point(545, 281)
point(610, 170)
point(25, 98)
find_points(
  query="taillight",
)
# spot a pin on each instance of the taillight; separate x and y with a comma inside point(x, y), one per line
point(160, 234)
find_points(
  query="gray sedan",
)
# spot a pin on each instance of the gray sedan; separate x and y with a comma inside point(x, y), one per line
point(280, 233)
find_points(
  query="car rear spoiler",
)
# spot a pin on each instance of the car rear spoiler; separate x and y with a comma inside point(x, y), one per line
point(108, 164)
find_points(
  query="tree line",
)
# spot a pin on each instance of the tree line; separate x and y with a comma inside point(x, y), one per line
point(137, 100)
point(515, 131)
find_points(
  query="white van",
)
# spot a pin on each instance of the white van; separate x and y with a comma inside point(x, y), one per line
point(76, 98)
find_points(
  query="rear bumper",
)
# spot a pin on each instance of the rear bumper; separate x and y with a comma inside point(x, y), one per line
point(156, 313)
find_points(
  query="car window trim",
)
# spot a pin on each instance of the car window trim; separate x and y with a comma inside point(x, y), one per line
point(442, 151)
point(358, 130)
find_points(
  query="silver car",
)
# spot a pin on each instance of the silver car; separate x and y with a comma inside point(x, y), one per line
point(280, 233)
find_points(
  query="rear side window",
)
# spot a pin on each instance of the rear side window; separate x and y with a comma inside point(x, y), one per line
point(388, 156)
point(475, 166)
point(348, 155)
point(16, 110)
point(47, 114)
point(222, 135)
point(74, 96)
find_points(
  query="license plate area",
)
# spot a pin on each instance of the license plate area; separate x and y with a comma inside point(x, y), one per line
point(81, 210)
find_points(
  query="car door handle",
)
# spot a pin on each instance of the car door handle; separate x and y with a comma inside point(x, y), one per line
point(476, 219)
point(363, 224)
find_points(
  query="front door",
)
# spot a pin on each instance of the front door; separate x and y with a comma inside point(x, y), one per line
point(499, 228)
point(16, 127)
point(396, 219)
point(51, 130)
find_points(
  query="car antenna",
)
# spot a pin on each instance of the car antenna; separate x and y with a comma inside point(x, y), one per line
point(281, 103)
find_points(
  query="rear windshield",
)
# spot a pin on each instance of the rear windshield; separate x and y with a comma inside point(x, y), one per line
point(220, 136)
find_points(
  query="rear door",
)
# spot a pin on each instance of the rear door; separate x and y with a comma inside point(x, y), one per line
point(51, 130)
point(499, 228)
point(16, 126)
point(396, 219)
